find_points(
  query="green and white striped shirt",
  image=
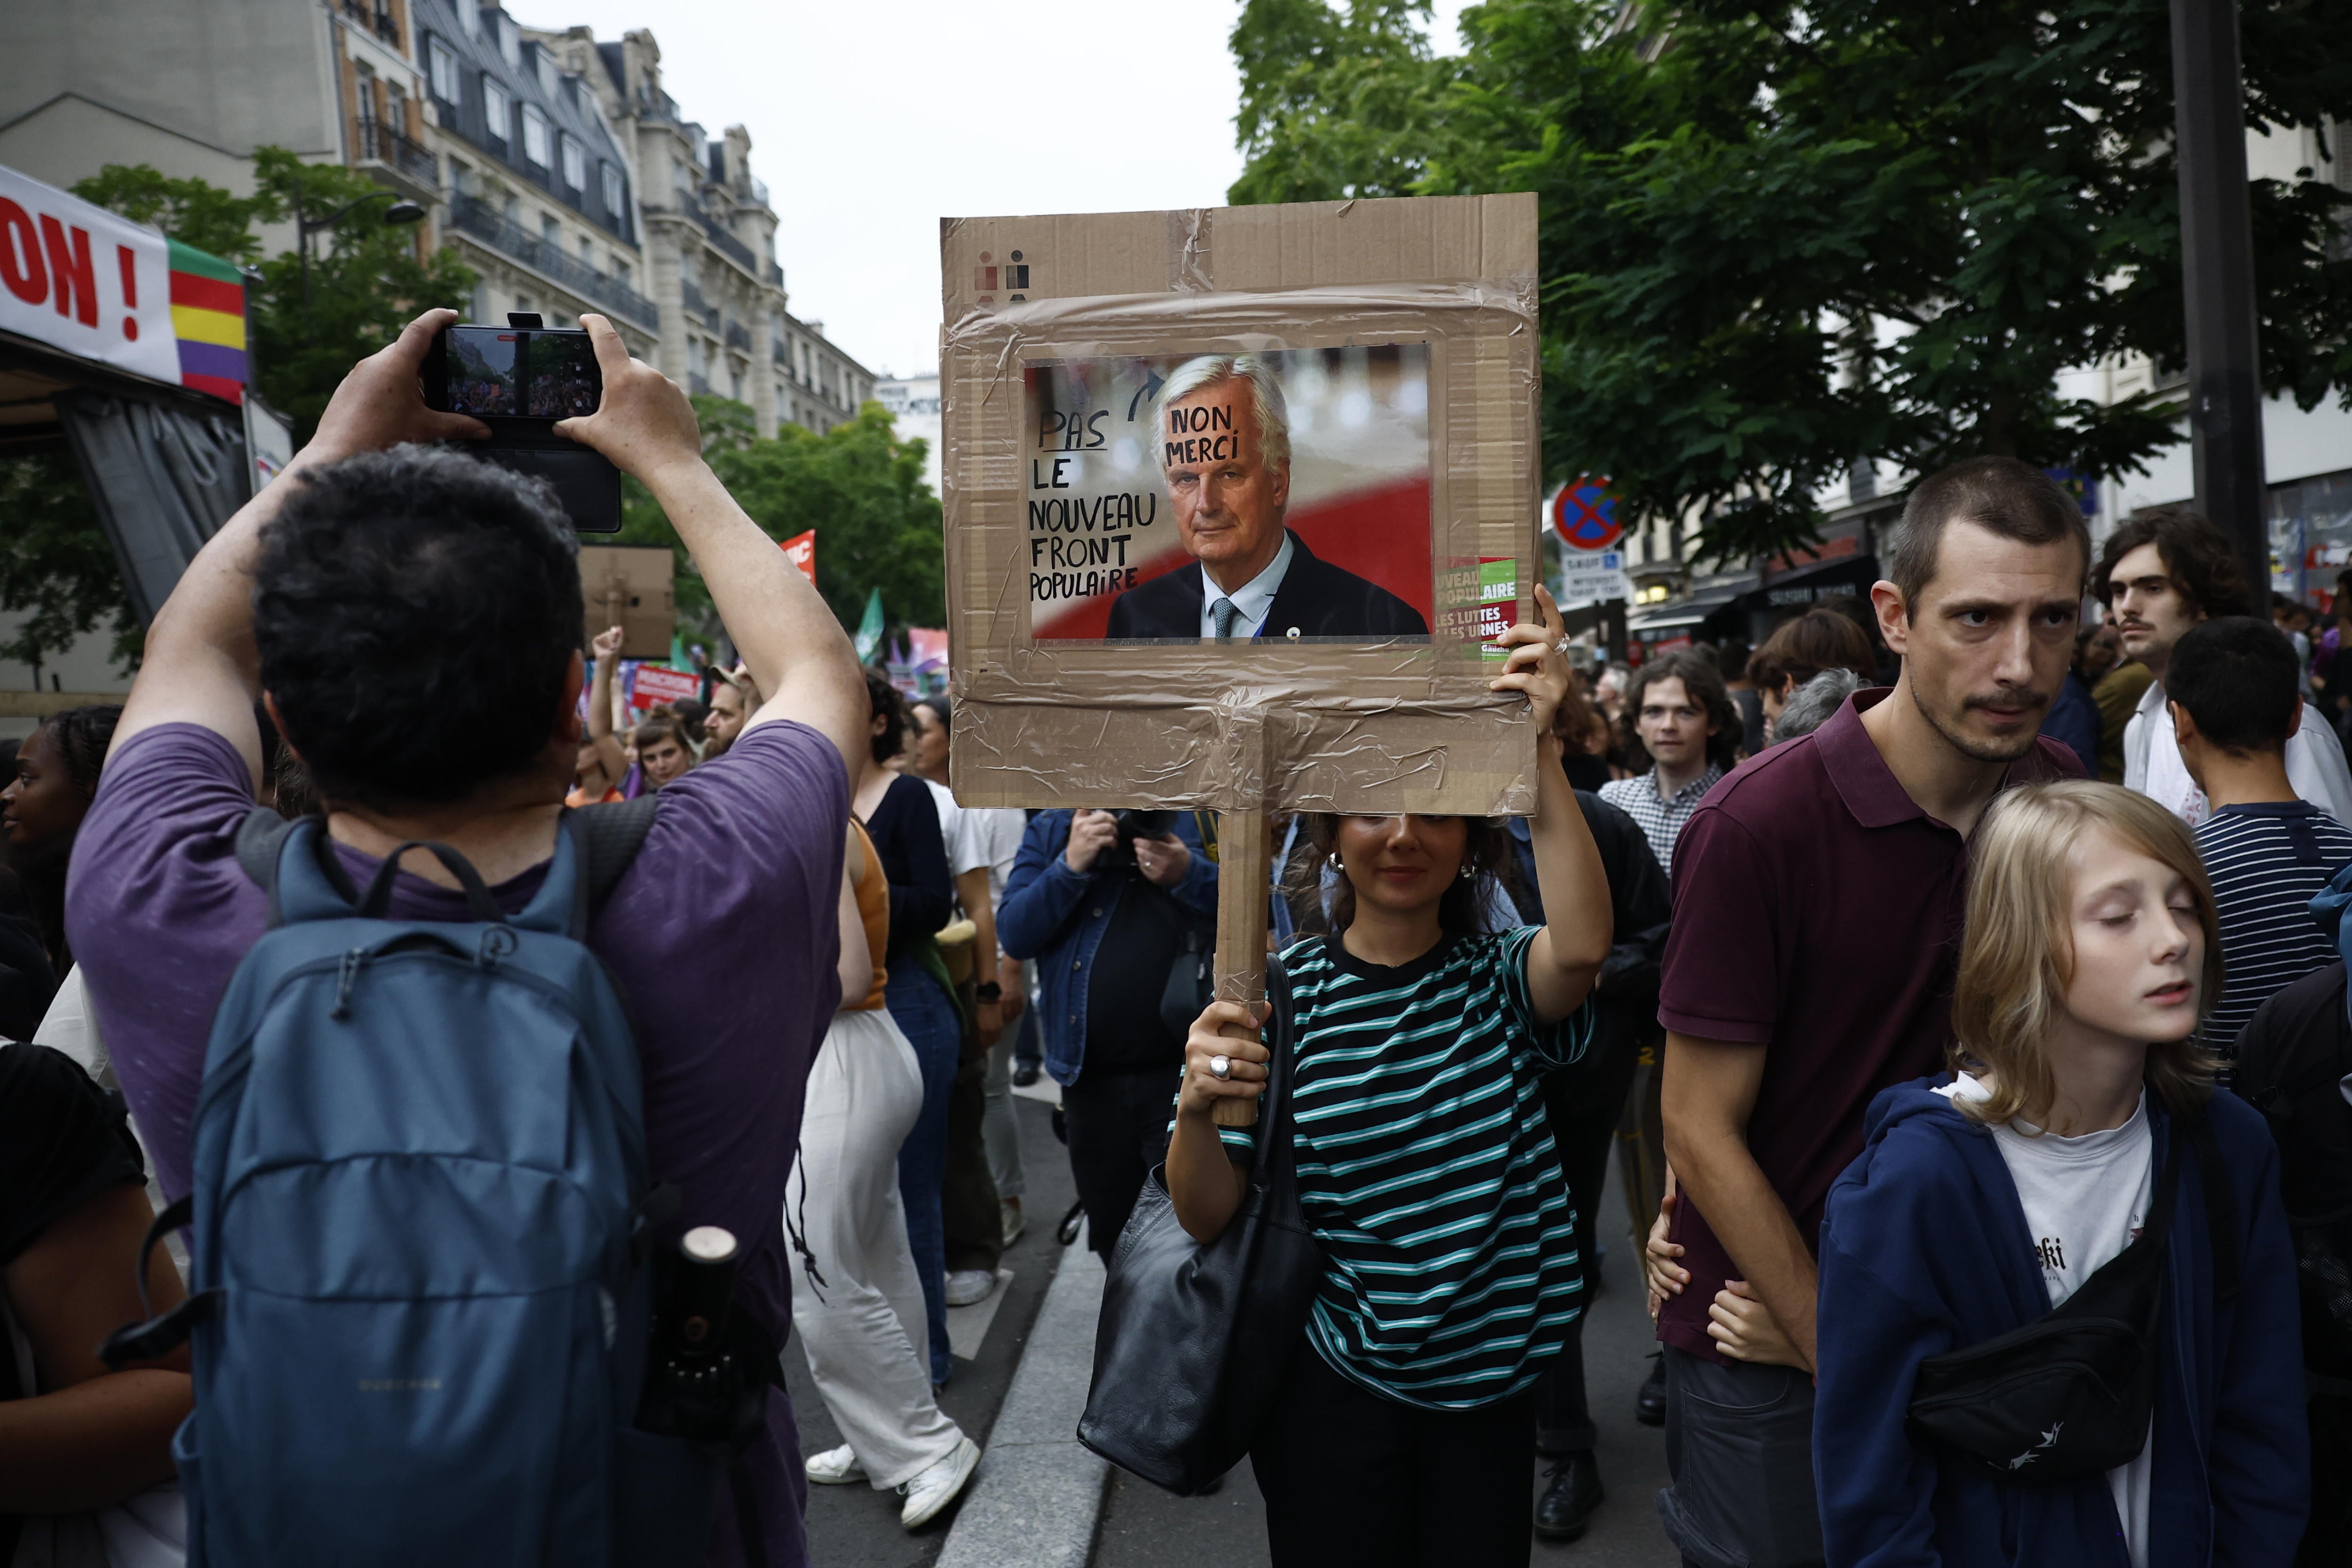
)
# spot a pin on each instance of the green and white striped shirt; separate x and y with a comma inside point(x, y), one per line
point(1427, 1171)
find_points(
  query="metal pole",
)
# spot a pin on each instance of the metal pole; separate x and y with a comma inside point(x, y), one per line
point(2216, 274)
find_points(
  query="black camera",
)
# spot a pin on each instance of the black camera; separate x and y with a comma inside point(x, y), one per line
point(1132, 826)
point(519, 380)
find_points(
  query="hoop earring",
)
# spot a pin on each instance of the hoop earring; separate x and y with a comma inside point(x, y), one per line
point(1337, 864)
point(1469, 869)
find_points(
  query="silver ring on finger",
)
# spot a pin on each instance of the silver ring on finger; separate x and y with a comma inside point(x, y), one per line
point(1220, 1068)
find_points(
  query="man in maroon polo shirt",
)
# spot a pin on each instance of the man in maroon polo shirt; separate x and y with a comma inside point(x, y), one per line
point(1817, 898)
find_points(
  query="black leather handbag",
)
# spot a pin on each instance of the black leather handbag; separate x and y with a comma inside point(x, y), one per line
point(2070, 1395)
point(1193, 1341)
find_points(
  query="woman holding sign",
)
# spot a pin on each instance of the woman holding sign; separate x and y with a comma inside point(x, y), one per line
point(1403, 1430)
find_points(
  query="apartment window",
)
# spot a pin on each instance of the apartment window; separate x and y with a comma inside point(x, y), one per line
point(461, 177)
point(621, 273)
point(587, 254)
point(469, 17)
point(616, 195)
point(534, 135)
point(510, 41)
point(546, 71)
point(444, 62)
point(575, 164)
point(395, 108)
point(524, 304)
point(551, 231)
point(497, 110)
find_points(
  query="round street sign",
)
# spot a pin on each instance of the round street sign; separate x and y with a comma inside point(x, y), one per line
point(1584, 515)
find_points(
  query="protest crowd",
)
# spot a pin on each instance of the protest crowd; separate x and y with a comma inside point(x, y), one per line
point(1957, 978)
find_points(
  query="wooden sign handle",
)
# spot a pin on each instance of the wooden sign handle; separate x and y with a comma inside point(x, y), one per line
point(1245, 846)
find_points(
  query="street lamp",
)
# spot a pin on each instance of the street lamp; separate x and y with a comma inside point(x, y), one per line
point(400, 211)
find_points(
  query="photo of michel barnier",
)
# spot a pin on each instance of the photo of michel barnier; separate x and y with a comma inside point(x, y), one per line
point(1224, 444)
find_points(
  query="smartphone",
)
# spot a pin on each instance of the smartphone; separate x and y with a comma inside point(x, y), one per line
point(519, 380)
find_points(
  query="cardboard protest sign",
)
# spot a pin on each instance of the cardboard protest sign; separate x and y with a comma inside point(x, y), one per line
point(1234, 499)
point(631, 586)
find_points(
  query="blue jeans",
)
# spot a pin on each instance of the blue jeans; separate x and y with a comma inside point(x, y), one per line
point(926, 1015)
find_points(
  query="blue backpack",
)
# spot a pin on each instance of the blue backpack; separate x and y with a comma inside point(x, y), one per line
point(421, 1210)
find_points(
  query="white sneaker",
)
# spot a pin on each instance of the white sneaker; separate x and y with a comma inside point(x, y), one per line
point(967, 1285)
point(835, 1466)
point(939, 1486)
point(1015, 1226)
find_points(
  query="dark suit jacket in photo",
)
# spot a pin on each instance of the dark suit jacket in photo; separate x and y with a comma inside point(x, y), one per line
point(1318, 598)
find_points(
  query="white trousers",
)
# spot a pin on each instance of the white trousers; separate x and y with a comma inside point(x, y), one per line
point(863, 1329)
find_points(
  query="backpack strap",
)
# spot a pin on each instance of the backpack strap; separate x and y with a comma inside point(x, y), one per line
point(260, 840)
point(2220, 1207)
point(607, 837)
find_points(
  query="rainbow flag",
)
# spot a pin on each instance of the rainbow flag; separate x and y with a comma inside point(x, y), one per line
point(208, 318)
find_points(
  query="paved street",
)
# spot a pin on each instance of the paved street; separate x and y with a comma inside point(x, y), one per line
point(857, 1527)
point(1143, 1527)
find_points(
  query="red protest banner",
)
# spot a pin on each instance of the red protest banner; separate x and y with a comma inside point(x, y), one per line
point(802, 549)
point(656, 684)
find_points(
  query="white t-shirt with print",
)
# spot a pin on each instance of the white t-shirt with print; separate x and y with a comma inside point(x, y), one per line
point(2086, 1199)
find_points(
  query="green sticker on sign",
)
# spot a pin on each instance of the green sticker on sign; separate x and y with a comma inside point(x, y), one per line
point(1498, 592)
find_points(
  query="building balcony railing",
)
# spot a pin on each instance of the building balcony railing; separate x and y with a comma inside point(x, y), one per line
point(472, 215)
point(739, 336)
point(410, 157)
point(727, 244)
point(697, 306)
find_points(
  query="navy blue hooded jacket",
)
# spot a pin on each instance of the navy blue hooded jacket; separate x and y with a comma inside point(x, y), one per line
point(1925, 1250)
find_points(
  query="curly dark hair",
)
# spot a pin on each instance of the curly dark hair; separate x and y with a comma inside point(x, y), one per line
point(417, 612)
point(1705, 683)
point(2198, 557)
point(80, 736)
point(885, 702)
point(1460, 910)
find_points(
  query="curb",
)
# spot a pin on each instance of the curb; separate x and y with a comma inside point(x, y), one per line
point(1037, 1495)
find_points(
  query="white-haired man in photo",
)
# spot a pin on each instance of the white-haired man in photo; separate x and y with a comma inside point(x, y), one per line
point(1224, 442)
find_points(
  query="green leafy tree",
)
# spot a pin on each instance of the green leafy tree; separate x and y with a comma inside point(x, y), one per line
point(366, 281)
point(859, 485)
point(193, 212)
point(56, 567)
point(1775, 241)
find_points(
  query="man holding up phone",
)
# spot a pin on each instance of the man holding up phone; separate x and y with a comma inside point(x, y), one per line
point(412, 618)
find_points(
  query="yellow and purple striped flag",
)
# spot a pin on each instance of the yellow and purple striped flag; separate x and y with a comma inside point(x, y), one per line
point(208, 319)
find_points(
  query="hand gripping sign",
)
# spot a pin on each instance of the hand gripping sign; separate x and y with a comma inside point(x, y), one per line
point(1235, 499)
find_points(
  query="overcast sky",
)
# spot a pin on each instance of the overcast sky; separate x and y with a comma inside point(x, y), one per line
point(871, 122)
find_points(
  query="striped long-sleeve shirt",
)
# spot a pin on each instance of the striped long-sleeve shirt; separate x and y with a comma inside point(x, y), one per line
point(1426, 1168)
point(2265, 862)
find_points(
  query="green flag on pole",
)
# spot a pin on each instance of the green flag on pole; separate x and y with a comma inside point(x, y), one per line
point(869, 629)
